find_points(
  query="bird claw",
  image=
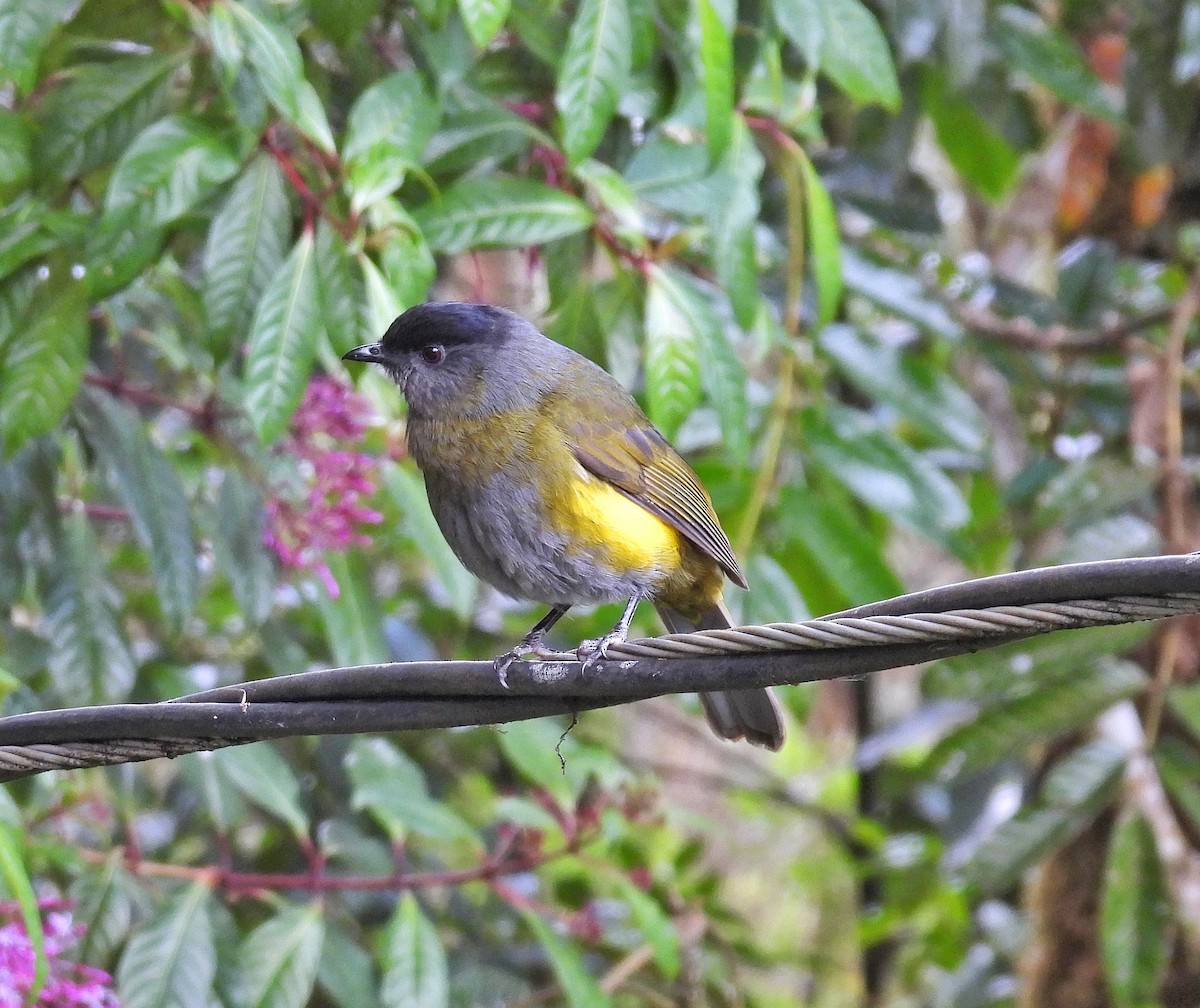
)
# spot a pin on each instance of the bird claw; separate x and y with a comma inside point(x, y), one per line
point(592, 651)
point(525, 648)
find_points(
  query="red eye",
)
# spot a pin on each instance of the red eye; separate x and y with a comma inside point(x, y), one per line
point(433, 354)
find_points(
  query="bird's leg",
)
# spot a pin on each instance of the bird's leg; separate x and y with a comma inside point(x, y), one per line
point(592, 651)
point(530, 643)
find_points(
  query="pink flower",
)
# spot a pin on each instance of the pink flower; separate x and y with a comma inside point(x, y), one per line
point(328, 510)
point(68, 984)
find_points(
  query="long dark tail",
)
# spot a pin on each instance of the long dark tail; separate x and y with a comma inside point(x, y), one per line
point(750, 714)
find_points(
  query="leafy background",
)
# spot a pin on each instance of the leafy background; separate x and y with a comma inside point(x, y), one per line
point(911, 283)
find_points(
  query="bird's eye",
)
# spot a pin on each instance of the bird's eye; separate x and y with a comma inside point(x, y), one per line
point(433, 354)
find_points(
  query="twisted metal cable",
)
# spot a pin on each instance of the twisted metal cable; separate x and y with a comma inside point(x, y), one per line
point(935, 623)
point(955, 624)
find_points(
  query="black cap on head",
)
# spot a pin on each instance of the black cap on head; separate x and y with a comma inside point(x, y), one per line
point(450, 323)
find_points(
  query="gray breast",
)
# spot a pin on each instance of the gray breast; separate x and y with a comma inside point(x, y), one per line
point(498, 532)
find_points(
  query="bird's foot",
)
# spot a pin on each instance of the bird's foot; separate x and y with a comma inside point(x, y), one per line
point(592, 651)
point(524, 648)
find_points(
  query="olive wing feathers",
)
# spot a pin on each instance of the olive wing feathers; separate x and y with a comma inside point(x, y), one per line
point(640, 463)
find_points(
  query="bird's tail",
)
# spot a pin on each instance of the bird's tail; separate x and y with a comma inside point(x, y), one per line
point(750, 714)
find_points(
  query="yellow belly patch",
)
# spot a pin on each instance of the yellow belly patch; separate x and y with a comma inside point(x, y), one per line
point(599, 517)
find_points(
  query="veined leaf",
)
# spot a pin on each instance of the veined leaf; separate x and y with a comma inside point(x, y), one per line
point(392, 788)
point(275, 57)
point(976, 149)
point(25, 28)
point(924, 395)
point(389, 126)
point(499, 212)
point(594, 67)
point(1135, 915)
point(731, 222)
point(283, 342)
point(578, 986)
point(43, 347)
point(89, 659)
point(673, 382)
point(104, 903)
point(824, 246)
point(171, 961)
point(90, 119)
point(168, 169)
point(716, 62)
point(1056, 707)
point(345, 972)
point(353, 622)
point(456, 144)
point(154, 495)
point(855, 54)
point(414, 965)
point(277, 963)
point(483, 18)
point(264, 778)
point(246, 243)
point(888, 475)
point(15, 159)
point(801, 22)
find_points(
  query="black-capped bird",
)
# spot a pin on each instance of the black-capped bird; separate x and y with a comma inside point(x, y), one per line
point(550, 483)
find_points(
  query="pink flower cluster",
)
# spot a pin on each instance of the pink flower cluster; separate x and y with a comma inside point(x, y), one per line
point(327, 511)
point(68, 984)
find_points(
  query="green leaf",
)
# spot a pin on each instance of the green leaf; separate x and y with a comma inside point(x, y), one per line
point(888, 475)
point(43, 347)
point(93, 116)
point(483, 18)
point(455, 147)
point(407, 265)
point(26, 232)
point(1135, 915)
point(1032, 47)
point(275, 56)
point(353, 621)
point(25, 29)
point(16, 882)
point(898, 292)
point(389, 126)
point(1017, 845)
point(658, 930)
point(171, 961)
point(855, 54)
point(499, 212)
point(673, 382)
point(414, 962)
point(1012, 724)
point(265, 779)
point(104, 903)
point(801, 22)
point(15, 157)
point(283, 342)
point(236, 529)
point(277, 961)
point(840, 545)
point(594, 68)
point(976, 149)
point(674, 176)
point(578, 986)
point(392, 788)
point(731, 222)
point(529, 747)
point(824, 244)
point(345, 972)
point(169, 168)
point(716, 61)
point(89, 659)
point(246, 243)
point(153, 493)
point(924, 395)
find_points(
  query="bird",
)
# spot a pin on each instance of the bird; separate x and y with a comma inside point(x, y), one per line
point(550, 484)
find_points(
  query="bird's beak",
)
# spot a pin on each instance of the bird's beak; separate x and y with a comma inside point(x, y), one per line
point(368, 353)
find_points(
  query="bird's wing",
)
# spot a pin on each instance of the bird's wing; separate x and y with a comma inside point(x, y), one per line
point(640, 463)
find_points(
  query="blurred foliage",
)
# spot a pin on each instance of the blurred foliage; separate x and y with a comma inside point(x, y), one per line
point(909, 281)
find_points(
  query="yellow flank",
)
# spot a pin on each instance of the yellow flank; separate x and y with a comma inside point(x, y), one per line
point(597, 516)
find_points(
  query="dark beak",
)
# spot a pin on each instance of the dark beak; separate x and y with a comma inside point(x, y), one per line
point(368, 353)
